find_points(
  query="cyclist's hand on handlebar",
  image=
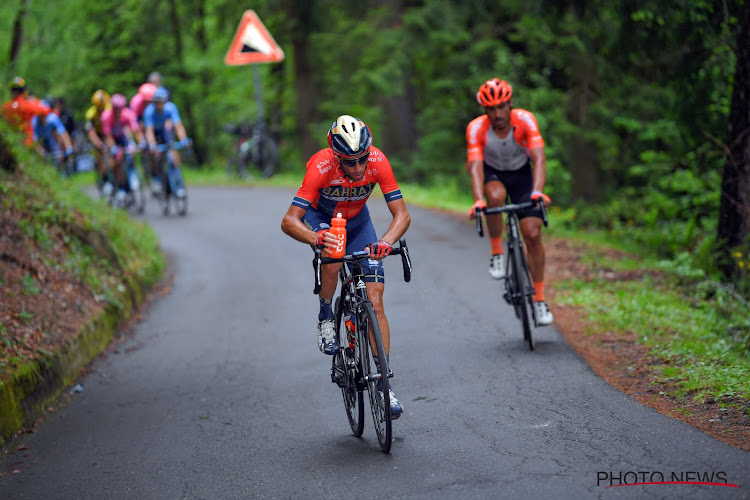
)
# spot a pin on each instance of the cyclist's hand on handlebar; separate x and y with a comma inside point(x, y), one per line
point(184, 142)
point(480, 204)
point(380, 249)
point(535, 195)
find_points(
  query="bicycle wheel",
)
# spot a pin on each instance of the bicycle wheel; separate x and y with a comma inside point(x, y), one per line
point(344, 373)
point(380, 401)
point(521, 288)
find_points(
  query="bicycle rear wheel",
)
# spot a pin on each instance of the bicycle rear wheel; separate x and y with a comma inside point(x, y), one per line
point(344, 373)
point(380, 401)
point(522, 283)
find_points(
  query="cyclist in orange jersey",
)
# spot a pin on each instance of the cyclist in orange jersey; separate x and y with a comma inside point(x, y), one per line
point(21, 109)
point(502, 146)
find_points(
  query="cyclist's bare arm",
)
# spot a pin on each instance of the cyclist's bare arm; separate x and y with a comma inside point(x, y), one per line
point(539, 159)
point(63, 138)
point(180, 130)
point(400, 222)
point(476, 169)
point(94, 137)
point(150, 137)
point(292, 225)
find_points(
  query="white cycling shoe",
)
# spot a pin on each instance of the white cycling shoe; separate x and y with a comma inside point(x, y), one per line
point(497, 266)
point(543, 315)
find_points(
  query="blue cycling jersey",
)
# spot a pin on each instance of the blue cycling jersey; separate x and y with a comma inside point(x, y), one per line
point(152, 118)
point(43, 128)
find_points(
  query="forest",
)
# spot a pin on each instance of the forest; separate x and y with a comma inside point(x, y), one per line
point(644, 105)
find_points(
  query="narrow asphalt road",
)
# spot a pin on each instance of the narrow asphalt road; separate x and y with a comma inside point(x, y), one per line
point(221, 392)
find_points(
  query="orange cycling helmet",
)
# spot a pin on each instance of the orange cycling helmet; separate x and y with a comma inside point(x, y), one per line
point(100, 99)
point(494, 92)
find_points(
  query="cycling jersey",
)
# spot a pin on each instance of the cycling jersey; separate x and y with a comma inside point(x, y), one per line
point(116, 128)
point(152, 118)
point(93, 119)
point(509, 153)
point(326, 188)
point(138, 105)
point(44, 130)
point(19, 112)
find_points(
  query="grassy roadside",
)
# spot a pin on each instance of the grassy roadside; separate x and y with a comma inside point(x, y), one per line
point(71, 271)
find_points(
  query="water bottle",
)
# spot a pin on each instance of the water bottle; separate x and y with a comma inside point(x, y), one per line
point(338, 229)
point(350, 333)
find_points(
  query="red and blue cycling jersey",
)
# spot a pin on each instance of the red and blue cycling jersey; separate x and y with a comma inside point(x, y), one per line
point(325, 187)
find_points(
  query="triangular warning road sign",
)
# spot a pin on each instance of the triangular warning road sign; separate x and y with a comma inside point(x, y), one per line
point(252, 43)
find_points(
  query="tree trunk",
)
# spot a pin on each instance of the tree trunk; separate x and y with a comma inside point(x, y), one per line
point(584, 167)
point(183, 76)
point(734, 212)
point(17, 37)
point(301, 23)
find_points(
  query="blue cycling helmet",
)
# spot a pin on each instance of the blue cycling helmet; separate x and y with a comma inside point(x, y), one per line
point(161, 94)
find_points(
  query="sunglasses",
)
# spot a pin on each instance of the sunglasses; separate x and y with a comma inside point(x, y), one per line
point(349, 163)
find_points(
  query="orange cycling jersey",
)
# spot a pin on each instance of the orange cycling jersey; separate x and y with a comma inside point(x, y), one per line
point(327, 189)
point(19, 112)
point(509, 153)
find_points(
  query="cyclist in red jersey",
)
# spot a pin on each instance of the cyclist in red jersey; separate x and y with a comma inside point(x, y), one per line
point(21, 109)
point(340, 179)
point(502, 146)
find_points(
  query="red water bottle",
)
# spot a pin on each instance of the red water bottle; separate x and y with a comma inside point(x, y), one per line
point(338, 229)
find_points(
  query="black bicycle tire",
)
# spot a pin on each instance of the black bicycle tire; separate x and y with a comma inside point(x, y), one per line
point(520, 294)
point(356, 421)
point(383, 425)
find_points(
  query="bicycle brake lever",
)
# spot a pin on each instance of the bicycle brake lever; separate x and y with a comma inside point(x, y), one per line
point(405, 260)
point(480, 230)
point(316, 267)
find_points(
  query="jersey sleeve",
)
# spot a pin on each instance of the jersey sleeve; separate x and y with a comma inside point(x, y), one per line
point(476, 138)
point(54, 121)
point(171, 111)
point(106, 121)
point(386, 179)
point(148, 116)
point(529, 135)
point(318, 165)
point(129, 119)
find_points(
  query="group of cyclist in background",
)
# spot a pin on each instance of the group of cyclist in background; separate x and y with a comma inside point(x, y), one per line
point(116, 128)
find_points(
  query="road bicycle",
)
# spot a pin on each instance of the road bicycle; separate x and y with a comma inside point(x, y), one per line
point(353, 368)
point(254, 145)
point(519, 289)
point(171, 179)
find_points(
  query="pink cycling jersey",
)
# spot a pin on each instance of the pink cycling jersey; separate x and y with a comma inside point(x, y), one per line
point(138, 105)
point(117, 129)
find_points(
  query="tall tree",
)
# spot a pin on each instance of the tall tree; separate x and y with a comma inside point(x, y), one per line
point(734, 212)
point(17, 37)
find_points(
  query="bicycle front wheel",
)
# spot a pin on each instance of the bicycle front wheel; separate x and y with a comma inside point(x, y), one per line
point(375, 379)
point(344, 373)
point(521, 292)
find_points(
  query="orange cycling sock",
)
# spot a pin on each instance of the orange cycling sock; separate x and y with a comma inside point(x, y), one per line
point(539, 291)
point(497, 245)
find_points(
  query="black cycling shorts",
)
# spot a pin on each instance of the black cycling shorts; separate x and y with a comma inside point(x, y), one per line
point(518, 185)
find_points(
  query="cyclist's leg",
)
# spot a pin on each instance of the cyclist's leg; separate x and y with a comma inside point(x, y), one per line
point(496, 194)
point(531, 228)
point(327, 340)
